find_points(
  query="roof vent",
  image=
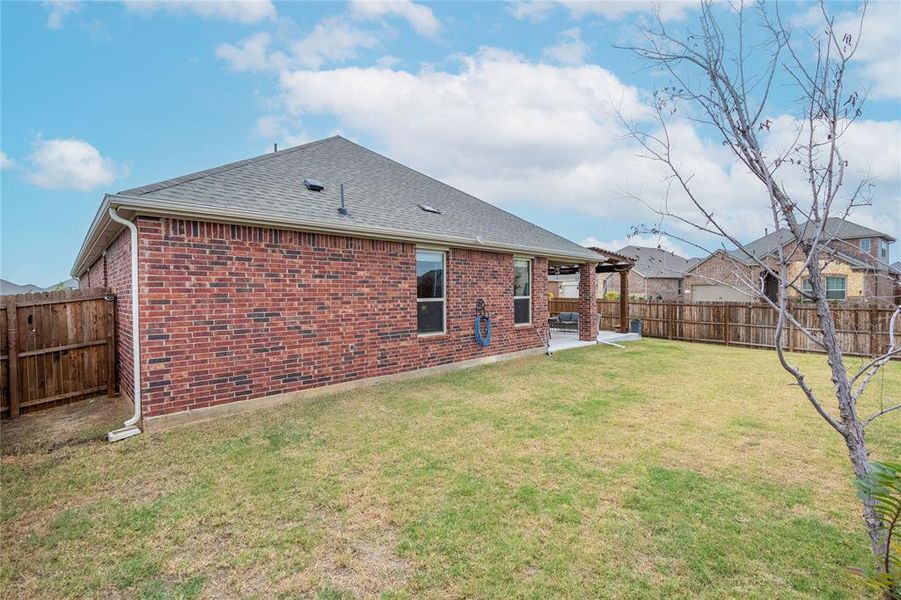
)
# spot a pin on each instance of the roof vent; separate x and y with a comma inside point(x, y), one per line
point(428, 208)
point(314, 185)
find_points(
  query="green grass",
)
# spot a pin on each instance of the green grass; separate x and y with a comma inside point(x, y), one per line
point(665, 470)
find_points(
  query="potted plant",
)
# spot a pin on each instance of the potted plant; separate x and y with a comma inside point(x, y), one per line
point(635, 326)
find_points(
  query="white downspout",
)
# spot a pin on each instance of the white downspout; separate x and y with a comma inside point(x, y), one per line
point(130, 427)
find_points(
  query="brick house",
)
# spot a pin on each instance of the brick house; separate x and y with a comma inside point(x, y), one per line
point(316, 266)
point(856, 270)
point(656, 275)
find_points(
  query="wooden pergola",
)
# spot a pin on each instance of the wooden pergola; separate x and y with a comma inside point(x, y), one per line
point(609, 262)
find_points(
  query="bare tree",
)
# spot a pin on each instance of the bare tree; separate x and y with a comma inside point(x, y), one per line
point(715, 85)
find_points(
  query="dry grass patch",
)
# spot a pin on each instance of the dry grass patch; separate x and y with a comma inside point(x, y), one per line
point(663, 470)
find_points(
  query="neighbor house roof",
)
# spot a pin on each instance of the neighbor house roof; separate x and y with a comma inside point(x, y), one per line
point(835, 229)
point(657, 263)
point(383, 200)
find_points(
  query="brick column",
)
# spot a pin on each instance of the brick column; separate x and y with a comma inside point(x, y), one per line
point(588, 302)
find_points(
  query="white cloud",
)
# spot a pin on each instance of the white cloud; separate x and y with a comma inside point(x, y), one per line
point(669, 10)
point(570, 50)
point(281, 130)
point(539, 10)
point(58, 9)
point(531, 10)
point(420, 17)
point(650, 241)
point(332, 40)
point(877, 54)
point(6, 162)
point(516, 132)
point(387, 61)
point(252, 54)
point(71, 164)
point(238, 11)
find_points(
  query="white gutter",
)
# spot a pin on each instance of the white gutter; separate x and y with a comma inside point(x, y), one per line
point(130, 427)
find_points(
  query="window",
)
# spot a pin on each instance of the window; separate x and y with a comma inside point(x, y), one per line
point(522, 291)
point(883, 250)
point(865, 245)
point(430, 291)
point(836, 288)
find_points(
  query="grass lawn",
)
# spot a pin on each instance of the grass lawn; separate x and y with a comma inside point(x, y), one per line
point(664, 470)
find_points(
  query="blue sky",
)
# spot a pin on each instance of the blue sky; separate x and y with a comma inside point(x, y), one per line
point(511, 102)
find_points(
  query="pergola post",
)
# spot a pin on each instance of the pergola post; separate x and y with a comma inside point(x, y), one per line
point(588, 302)
point(624, 301)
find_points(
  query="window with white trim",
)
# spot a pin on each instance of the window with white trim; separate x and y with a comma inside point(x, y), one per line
point(522, 291)
point(430, 291)
point(883, 250)
point(865, 245)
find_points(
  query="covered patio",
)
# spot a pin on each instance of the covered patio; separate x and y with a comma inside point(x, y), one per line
point(586, 329)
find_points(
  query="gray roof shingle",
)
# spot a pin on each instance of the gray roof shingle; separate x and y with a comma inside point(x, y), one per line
point(835, 229)
point(657, 263)
point(379, 193)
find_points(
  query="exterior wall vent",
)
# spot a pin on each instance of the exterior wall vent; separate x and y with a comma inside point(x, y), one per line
point(314, 185)
point(428, 208)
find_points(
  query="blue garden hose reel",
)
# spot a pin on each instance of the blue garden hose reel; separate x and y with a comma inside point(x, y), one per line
point(482, 316)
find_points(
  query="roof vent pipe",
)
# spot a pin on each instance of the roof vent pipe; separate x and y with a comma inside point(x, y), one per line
point(341, 209)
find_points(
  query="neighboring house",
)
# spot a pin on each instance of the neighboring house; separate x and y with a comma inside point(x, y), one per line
point(255, 282)
point(657, 274)
point(564, 286)
point(857, 269)
point(8, 287)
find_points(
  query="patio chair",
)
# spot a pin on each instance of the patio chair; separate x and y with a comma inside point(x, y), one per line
point(565, 321)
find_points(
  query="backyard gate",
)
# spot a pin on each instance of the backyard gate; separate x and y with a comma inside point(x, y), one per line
point(56, 347)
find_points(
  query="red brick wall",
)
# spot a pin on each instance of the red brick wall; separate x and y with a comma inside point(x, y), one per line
point(588, 306)
point(230, 313)
point(114, 271)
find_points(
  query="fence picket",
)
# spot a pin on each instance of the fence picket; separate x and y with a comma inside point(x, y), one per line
point(59, 347)
point(863, 330)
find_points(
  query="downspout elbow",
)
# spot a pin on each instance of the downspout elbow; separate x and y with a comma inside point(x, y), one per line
point(130, 427)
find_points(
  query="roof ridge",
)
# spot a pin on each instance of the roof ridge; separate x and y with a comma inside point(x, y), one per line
point(447, 185)
point(167, 183)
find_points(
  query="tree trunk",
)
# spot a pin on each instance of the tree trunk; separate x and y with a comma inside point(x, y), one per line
point(853, 429)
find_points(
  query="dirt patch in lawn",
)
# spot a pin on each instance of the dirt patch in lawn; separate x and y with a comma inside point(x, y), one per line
point(74, 424)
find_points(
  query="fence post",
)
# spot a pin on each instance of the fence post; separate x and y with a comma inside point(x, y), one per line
point(873, 336)
point(791, 329)
point(110, 346)
point(12, 353)
point(726, 319)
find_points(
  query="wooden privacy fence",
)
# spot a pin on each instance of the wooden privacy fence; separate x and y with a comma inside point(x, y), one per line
point(56, 347)
point(863, 330)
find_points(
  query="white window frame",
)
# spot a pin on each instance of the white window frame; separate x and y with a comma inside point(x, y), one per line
point(443, 298)
point(865, 241)
point(844, 289)
point(883, 249)
point(528, 261)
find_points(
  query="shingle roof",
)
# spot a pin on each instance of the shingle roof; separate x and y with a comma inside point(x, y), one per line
point(657, 263)
point(836, 228)
point(379, 193)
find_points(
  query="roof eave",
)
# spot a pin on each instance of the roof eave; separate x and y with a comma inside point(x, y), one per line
point(166, 208)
